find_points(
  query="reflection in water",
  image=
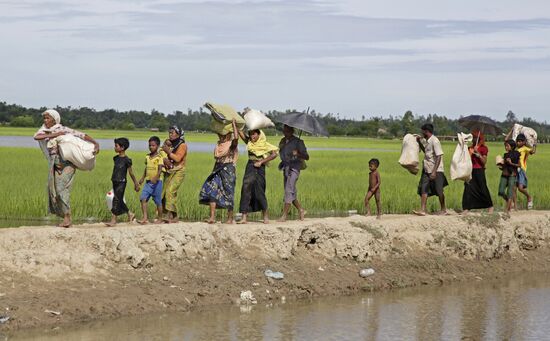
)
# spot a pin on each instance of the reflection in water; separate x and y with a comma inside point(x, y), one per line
point(517, 309)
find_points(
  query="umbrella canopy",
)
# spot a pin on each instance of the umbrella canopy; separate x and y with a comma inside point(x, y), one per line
point(482, 123)
point(304, 121)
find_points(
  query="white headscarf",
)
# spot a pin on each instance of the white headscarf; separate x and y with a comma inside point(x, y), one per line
point(54, 114)
point(43, 130)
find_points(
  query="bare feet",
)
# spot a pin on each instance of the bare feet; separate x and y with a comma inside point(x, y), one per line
point(131, 217)
point(242, 222)
point(143, 222)
point(65, 224)
point(302, 214)
point(158, 221)
point(419, 213)
point(266, 221)
point(210, 221)
point(379, 216)
point(229, 221)
point(282, 219)
point(110, 224)
point(442, 213)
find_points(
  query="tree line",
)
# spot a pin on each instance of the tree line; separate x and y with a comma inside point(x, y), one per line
point(199, 120)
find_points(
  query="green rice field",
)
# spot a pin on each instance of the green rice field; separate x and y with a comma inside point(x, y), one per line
point(333, 183)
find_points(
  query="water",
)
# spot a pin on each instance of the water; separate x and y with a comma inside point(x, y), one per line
point(516, 309)
point(141, 145)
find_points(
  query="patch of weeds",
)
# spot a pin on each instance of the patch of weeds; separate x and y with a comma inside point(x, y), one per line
point(488, 220)
point(438, 238)
point(376, 233)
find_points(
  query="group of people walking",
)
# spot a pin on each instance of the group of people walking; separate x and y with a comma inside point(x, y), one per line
point(164, 172)
point(476, 194)
point(165, 168)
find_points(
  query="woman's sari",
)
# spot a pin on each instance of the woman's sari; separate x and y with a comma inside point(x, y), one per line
point(219, 186)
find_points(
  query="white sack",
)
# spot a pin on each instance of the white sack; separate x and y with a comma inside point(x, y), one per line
point(255, 119)
point(461, 164)
point(409, 154)
point(530, 134)
point(79, 152)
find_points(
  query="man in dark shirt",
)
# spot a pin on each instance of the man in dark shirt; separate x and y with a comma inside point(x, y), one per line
point(293, 154)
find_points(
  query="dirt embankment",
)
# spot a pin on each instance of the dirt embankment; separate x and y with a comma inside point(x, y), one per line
point(92, 272)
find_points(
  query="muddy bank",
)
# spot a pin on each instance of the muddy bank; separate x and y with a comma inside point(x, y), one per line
point(93, 272)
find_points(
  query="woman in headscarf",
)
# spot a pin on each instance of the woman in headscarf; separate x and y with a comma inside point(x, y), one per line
point(176, 154)
point(218, 191)
point(61, 172)
point(476, 194)
point(260, 152)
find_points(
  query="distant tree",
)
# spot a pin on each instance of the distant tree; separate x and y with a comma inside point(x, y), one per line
point(407, 122)
point(158, 120)
point(511, 117)
point(22, 121)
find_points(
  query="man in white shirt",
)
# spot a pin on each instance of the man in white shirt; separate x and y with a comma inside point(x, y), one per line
point(433, 178)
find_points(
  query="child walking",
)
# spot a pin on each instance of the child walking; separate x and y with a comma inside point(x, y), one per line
point(374, 187)
point(153, 183)
point(524, 152)
point(122, 166)
point(509, 172)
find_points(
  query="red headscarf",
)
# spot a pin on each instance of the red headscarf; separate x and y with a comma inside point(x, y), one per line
point(479, 138)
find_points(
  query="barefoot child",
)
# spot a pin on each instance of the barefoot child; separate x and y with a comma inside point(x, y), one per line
point(374, 187)
point(153, 183)
point(123, 166)
point(524, 152)
point(509, 173)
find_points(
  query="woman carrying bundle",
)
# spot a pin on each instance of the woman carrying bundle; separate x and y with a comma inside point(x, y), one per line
point(218, 190)
point(476, 194)
point(260, 152)
point(61, 172)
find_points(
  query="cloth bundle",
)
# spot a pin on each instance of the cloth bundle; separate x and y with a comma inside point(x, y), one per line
point(530, 134)
point(76, 150)
point(255, 119)
point(409, 154)
point(461, 163)
point(222, 118)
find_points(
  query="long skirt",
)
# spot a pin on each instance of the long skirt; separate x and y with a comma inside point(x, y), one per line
point(476, 193)
point(172, 183)
point(119, 206)
point(253, 191)
point(60, 182)
point(219, 186)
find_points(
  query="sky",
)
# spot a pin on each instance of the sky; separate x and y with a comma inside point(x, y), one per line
point(349, 57)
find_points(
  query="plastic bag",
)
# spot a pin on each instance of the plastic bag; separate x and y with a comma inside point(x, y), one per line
point(530, 134)
point(77, 151)
point(255, 119)
point(409, 154)
point(461, 163)
point(109, 199)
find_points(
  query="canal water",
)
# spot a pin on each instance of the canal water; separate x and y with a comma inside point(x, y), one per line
point(514, 309)
point(141, 145)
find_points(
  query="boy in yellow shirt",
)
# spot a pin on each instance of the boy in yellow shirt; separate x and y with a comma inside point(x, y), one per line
point(524, 152)
point(153, 183)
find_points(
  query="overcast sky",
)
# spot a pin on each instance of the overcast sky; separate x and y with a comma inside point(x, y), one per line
point(353, 57)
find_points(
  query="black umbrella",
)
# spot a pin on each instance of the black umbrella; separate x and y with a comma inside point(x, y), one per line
point(303, 121)
point(482, 123)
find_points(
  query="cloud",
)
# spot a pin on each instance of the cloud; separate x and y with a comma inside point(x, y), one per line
point(264, 49)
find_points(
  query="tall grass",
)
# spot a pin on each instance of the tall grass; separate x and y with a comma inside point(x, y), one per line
point(334, 182)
